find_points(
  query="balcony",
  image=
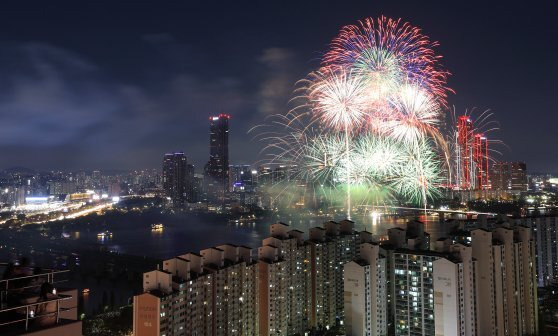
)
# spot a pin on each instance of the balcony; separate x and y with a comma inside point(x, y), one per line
point(24, 311)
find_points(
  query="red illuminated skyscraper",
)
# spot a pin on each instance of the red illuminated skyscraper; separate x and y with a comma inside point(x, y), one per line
point(471, 156)
point(464, 141)
point(480, 158)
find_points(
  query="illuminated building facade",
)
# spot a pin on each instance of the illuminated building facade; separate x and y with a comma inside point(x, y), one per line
point(544, 230)
point(506, 281)
point(175, 177)
point(471, 157)
point(332, 247)
point(272, 292)
point(211, 293)
point(296, 255)
point(61, 187)
point(217, 168)
point(509, 176)
point(480, 158)
point(464, 152)
point(412, 292)
point(290, 286)
point(240, 175)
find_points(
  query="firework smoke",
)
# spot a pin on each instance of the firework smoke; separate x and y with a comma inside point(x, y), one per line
point(368, 120)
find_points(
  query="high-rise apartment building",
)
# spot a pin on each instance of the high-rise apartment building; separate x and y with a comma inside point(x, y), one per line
point(217, 168)
point(331, 247)
point(412, 291)
point(295, 253)
point(507, 294)
point(395, 287)
point(544, 230)
point(61, 187)
point(455, 293)
point(365, 293)
point(409, 282)
point(272, 292)
point(322, 263)
point(346, 242)
point(509, 176)
point(175, 177)
point(211, 293)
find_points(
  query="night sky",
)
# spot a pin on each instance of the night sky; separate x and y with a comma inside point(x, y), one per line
point(114, 86)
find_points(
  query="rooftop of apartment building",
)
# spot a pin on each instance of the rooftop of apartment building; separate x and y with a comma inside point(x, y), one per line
point(34, 301)
point(364, 262)
point(420, 252)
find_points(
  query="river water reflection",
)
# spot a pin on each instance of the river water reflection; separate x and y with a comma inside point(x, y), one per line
point(67, 244)
point(183, 233)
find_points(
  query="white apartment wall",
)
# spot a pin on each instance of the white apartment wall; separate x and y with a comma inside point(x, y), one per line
point(354, 299)
point(160, 280)
point(483, 253)
point(377, 288)
point(505, 236)
point(446, 298)
point(378, 283)
point(365, 293)
point(214, 256)
point(178, 267)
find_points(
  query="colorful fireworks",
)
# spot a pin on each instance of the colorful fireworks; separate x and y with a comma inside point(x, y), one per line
point(369, 117)
point(387, 53)
point(338, 98)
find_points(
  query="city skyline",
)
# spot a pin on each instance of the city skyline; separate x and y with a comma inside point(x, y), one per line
point(278, 168)
point(151, 88)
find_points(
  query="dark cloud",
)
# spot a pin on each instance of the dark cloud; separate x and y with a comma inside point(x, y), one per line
point(277, 85)
point(63, 105)
point(107, 85)
point(53, 100)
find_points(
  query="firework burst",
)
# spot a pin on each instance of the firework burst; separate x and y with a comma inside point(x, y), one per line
point(369, 118)
point(338, 99)
point(388, 52)
point(415, 116)
point(420, 178)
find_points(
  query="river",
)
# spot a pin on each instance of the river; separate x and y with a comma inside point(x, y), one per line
point(111, 268)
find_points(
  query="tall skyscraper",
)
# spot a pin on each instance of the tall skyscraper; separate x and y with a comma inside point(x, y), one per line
point(480, 159)
point(240, 174)
point(191, 192)
point(175, 175)
point(509, 176)
point(471, 156)
point(464, 151)
point(217, 169)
